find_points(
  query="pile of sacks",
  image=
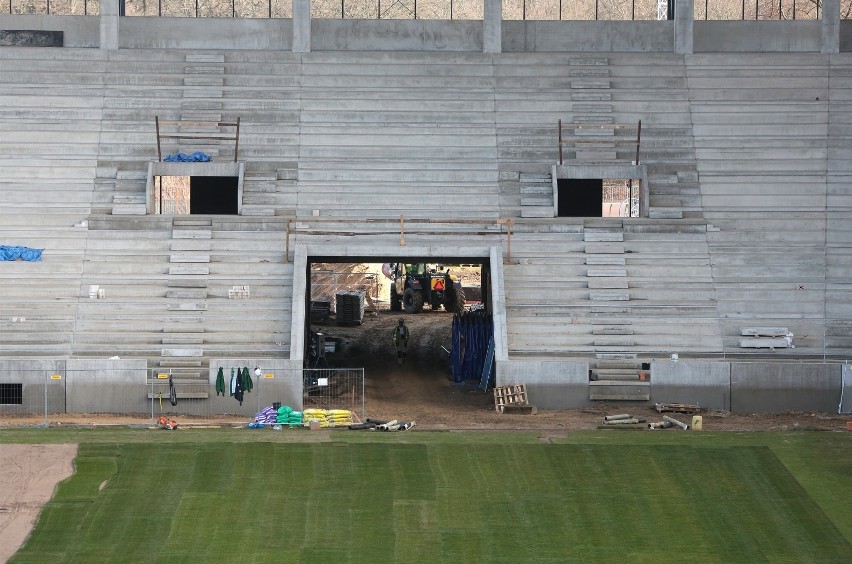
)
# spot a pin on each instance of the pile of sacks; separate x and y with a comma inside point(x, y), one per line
point(328, 417)
point(286, 416)
point(280, 416)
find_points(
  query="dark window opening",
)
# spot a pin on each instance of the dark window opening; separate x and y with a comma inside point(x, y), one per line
point(11, 394)
point(213, 195)
point(580, 197)
point(183, 195)
point(596, 197)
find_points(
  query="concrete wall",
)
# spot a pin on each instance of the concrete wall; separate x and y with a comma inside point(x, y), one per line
point(396, 35)
point(707, 384)
point(285, 386)
point(106, 386)
point(588, 36)
point(550, 384)
point(434, 35)
point(774, 388)
point(78, 31)
point(845, 36)
point(757, 36)
point(34, 375)
point(205, 33)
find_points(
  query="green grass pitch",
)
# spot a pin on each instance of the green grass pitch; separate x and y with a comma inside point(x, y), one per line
point(209, 496)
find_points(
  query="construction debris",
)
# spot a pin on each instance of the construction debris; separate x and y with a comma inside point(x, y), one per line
point(514, 396)
point(674, 421)
point(617, 417)
point(677, 408)
point(374, 425)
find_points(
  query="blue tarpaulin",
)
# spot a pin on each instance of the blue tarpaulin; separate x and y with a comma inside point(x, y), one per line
point(24, 253)
point(197, 157)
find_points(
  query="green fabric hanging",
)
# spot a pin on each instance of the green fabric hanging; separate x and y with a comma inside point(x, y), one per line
point(220, 382)
point(247, 383)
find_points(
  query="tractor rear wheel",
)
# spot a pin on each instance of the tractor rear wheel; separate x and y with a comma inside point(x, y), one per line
point(457, 303)
point(412, 301)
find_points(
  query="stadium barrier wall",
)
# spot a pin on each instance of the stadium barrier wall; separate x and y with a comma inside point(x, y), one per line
point(773, 388)
point(140, 32)
point(707, 384)
point(550, 384)
point(127, 390)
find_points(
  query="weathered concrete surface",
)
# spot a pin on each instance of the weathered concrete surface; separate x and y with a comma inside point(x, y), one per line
point(34, 375)
point(707, 384)
point(762, 36)
point(396, 35)
point(77, 31)
point(285, 385)
point(106, 386)
point(550, 384)
point(761, 387)
point(141, 32)
point(588, 36)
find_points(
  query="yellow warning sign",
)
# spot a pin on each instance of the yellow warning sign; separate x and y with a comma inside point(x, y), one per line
point(56, 376)
point(163, 376)
point(269, 376)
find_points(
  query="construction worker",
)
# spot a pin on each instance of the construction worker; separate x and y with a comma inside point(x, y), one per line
point(400, 339)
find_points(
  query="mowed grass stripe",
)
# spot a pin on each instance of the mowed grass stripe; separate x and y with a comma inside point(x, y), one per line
point(380, 502)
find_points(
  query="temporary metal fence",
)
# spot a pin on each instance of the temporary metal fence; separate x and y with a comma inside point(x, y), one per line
point(45, 396)
point(335, 388)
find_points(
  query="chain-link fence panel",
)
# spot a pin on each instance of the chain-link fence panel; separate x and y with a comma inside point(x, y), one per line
point(335, 388)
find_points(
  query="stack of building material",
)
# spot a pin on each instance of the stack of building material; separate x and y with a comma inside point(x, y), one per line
point(513, 399)
point(328, 417)
point(350, 307)
point(286, 416)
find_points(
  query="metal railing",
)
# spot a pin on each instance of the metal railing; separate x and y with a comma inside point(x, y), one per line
point(535, 10)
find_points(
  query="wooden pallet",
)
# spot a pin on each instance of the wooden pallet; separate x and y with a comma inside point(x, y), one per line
point(676, 408)
point(510, 395)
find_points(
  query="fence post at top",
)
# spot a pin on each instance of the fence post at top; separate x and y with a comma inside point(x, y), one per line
point(46, 380)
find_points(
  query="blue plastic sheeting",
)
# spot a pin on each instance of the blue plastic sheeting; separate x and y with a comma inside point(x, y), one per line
point(197, 157)
point(470, 336)
point(24, 253)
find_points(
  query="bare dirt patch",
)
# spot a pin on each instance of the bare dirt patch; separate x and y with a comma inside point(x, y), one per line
point(28, 477)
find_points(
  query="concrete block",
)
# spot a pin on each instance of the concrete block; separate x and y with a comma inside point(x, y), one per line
point(602, 236)
point(604, 248)
point(609, 296)
point(608, 283)
point(606, 272)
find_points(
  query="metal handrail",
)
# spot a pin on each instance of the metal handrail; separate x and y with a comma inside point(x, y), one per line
point(235, 137)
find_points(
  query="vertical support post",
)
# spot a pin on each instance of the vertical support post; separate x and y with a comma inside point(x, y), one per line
point(108, 21)
point(401, 231)
point(492, 26)
point(237, 141)
point(559, 124)
point(683, 26)
point(46, 380)
point(287, 241)
point(509, 224)
point(159, 149)
point(830, 26)
point(301, 26)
